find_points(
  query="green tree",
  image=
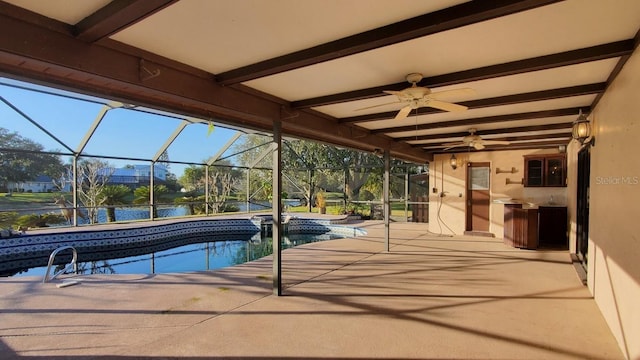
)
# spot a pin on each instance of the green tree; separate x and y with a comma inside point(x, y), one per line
point(171, 181)
point(193, 178)
point(26, 162)
point(111, 196)
point(143, 194)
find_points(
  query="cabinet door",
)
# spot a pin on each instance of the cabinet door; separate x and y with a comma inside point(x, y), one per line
point(534, 171)
point(554, 171)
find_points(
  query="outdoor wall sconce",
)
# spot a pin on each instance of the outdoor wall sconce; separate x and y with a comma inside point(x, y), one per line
point(453, 162)
point(581, 130)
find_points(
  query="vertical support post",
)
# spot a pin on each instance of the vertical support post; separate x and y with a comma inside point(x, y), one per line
point(152, 196)
point(206, 190)
point(206, 256)
point(346, 185)
point(311, 188)
point(385, 199)
point(406, 193)
point(248, 190)
point(277, 208)
point(74, 189)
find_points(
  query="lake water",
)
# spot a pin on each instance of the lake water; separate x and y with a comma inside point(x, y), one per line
point(141, 213)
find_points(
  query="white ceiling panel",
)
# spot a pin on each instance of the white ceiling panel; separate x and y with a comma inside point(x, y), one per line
point(537, 32)
point(67, 11)
point(228, 34)
point(580, 74)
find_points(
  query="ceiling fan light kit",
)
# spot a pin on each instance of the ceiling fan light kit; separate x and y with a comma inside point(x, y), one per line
point(415, 97)
point(475, 141)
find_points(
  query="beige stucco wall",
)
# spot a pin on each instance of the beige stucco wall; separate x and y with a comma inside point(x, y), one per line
point(614, 236)
point(447, 214)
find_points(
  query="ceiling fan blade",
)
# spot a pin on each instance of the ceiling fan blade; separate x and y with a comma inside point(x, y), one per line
point(403, 113)
point(495, 142)
point(375, 106)
point(452, 92)
point(446, 106)
point(393, 92)
point(452, 145)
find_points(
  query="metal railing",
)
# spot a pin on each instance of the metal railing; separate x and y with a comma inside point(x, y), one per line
point(67, 267)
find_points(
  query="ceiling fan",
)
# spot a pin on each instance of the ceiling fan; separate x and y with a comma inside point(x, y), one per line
point(475, 141)
point(415, 97)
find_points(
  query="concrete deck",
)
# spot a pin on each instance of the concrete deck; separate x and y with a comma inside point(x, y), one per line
point(429, 298)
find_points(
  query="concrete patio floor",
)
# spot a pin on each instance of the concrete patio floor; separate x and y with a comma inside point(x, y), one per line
point(431, 297)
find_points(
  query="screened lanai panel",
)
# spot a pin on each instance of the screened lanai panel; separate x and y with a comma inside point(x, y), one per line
point(63, 115)
point(252, 150)
point(196, 144)
point(129, 133)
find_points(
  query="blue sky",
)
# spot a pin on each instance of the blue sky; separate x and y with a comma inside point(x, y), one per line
point(122, 132)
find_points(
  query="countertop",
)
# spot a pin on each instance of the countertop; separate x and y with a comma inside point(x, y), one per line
point(525, 204)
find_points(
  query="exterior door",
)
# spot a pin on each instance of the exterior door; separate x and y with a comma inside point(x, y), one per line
point(582, 208)
point(477, 207)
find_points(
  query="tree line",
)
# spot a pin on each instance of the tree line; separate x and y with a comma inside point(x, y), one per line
point(309, 168)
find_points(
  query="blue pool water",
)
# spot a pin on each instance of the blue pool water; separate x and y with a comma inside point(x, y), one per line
point(192, 257)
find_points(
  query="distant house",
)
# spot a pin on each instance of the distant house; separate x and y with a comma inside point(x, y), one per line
point(40, 184)
point(133, 177)
point(136, 176)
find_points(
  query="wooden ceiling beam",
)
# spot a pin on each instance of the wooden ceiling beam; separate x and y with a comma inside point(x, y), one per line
point(521, 129)
point(562, 135)
point(446, 19)
point(58, 59)
point(551, 94)
point(523, 146)
point(593, 53)
point(115, 16)
point(484, 120)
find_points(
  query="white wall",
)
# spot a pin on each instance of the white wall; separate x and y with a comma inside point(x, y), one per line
point(614, 231)
point(614, 237)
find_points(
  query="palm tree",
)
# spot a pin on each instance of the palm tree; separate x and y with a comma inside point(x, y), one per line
point(112, 195)
point(142, 196)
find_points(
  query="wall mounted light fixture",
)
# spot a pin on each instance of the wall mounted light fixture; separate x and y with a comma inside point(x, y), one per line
point(581, 130)
point(453, 162)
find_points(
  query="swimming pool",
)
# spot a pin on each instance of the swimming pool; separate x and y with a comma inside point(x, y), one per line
point(192, 257)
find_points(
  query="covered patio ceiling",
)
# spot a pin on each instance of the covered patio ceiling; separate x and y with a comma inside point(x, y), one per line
point(533, 64)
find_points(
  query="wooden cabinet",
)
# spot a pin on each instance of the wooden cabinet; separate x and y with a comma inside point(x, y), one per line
point(545, 170)
point(525, 228)
point(509, 222)
point(532, 228)
point(552, 226)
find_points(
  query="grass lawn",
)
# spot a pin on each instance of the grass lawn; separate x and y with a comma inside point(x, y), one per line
point(18, 200)
point(397, 209)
